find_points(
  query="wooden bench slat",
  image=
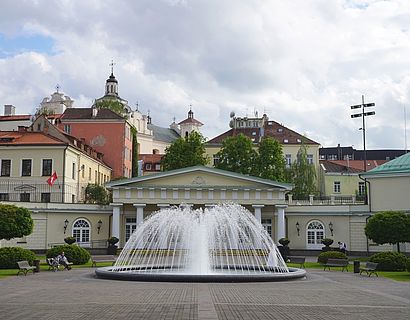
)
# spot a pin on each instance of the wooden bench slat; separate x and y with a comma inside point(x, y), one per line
point(25, 267)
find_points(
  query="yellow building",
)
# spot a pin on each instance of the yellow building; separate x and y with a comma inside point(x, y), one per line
point(29, 157)
point(257, 128)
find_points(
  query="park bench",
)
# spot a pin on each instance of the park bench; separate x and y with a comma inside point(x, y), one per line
point(369, 268)
point(298, 260)
point(25, 267)
point(54, 265)
point(343, 263)
point(102, 258)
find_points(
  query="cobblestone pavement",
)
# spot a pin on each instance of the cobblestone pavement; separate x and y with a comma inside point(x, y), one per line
point(77, 294)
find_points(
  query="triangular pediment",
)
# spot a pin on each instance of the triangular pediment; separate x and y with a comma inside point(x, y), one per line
point(199, 177)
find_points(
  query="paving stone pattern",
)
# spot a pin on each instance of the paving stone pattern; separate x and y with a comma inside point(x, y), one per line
point(77, 294)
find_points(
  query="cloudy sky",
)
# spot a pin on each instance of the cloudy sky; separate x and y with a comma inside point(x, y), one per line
point(302, 62)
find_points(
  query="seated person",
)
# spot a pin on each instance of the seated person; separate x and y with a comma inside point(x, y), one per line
point(62, 259)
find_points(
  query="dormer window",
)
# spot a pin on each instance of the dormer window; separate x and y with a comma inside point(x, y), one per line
point(298, 140)
point(285, 141)
point(280, 129)
point(254, 133)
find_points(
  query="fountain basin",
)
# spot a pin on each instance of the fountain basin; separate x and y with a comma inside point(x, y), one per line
point(137, 273)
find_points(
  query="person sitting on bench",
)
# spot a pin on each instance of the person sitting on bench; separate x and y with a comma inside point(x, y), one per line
point(62, 259)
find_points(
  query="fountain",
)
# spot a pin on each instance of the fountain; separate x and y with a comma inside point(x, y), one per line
point(224, 243)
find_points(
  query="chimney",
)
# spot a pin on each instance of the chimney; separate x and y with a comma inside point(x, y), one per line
point(9, 110)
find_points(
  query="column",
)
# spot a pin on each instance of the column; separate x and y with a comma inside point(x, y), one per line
point(258, 211)
point(258, 216)
point(115, 228)
point(280, 226)
point(140, 212)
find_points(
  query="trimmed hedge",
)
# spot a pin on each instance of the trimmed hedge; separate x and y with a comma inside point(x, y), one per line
point(322, 258)
point(10, 255)
point(74, 253)
point(389, 261)
point(408, 265)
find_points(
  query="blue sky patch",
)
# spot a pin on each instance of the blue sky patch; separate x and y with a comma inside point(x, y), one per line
point(25, 43)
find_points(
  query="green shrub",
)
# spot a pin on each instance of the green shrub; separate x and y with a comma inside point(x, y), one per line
point(327, 241)
point(389, 261)
point(322, 258)
point(74, 254)
point(10, 255)
point(408, 265)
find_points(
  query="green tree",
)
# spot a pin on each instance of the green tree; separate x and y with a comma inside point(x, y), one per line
point(185, 152)
point(134, 170)
point(113, 105)
point(303, 175)
point(270, 162)
point(237, 154)
point(97, 194)
point(15, 222)
point(389, 227)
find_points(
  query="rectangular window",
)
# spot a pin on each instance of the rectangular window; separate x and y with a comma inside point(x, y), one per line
point(89, 173)
point(5, 168)
point(130, 226)
point(47, 167)
point(73, 172)
point(24, 197)
point(332, 157)
point(216, 160)
point(67, 128)
point(148, 166)
point(157, 167)
point(26, 167)
point(267, 225)
point(336, 187)
point(4, 197)
point(310, 158)
point(288, 160)
point(45, 197)
point(362, 188)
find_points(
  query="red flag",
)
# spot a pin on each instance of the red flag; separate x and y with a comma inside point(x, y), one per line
point(52, 179)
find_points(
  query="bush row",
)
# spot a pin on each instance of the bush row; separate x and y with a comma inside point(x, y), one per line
point(10, 255)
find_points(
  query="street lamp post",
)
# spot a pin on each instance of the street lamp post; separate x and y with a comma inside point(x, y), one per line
point(363, 115)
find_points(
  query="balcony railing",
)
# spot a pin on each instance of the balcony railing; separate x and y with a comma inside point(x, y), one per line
point(327, 200)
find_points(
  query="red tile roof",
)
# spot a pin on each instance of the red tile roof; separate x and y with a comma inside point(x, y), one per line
point(359, 164)
point(87, 114)
point(27, 138)
point(271, 129)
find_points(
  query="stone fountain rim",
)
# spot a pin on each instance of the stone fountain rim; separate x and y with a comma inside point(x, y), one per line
point(107, 273)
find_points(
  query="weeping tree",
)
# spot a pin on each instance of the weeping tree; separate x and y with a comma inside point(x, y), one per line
point(303, 175)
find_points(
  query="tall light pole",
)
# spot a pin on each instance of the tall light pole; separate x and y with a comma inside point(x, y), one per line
point(363, 115)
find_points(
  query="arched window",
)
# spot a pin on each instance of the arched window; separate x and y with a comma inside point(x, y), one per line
point(81, 232)
point(315, 232)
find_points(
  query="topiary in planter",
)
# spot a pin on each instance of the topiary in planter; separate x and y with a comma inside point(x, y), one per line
point(284, 241)
point(322, 258)
point(327, 242)
point(10, 255)
point(69, 240)
point(113, 241)
point(389, 261)
point(75, 254)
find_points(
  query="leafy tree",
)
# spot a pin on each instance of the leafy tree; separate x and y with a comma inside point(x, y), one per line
point(270, 162)
point(15, 222)
point(389, 227)
point(113, 105)
point(303, 175)
point(97, 194)
point(237, 155)
point(185, 152)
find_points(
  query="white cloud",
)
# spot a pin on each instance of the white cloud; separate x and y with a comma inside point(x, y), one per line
point(302, 62)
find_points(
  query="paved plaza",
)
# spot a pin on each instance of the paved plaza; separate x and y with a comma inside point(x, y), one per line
point(77, 294)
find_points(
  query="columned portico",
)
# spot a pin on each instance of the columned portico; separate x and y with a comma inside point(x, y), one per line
point(258, 211)
point(140, 212)
point(280, 226)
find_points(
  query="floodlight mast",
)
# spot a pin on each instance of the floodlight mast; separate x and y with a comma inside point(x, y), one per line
point(363, 114)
